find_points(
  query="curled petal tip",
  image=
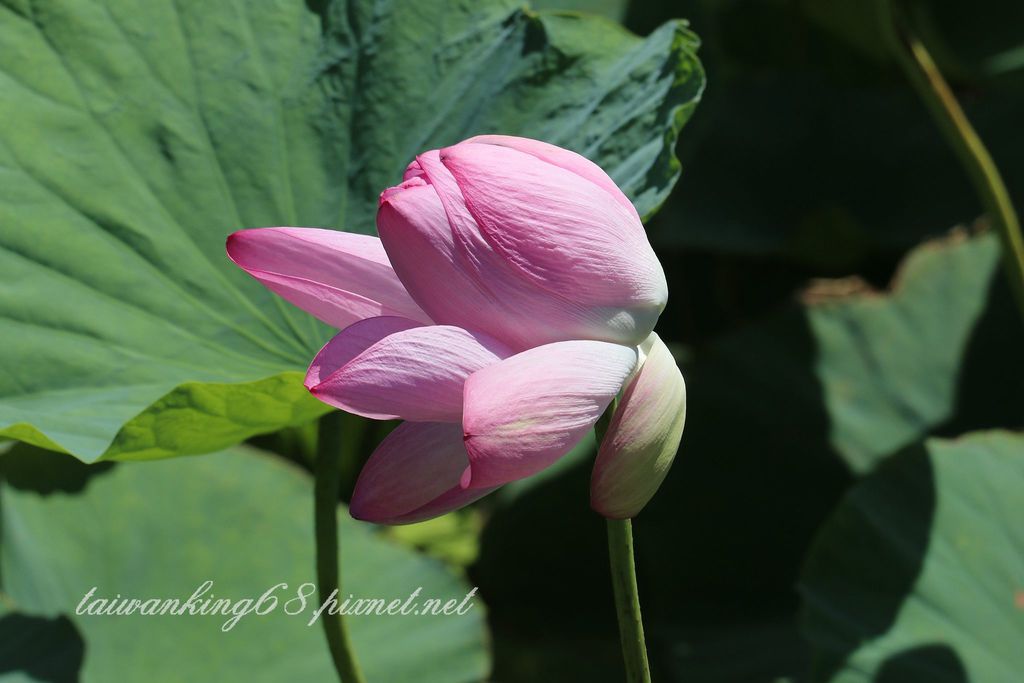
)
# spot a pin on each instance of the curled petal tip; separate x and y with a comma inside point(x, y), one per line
point(391, 192)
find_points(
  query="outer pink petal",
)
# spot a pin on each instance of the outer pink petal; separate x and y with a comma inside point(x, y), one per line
point(414, 475)
point(383, 368)
point(559, 230)
point(642, 439)
point(563, 158)
point(337, 276)
point(527, 411)
point(458, 279)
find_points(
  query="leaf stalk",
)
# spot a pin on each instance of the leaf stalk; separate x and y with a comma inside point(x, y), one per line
point(927, 79)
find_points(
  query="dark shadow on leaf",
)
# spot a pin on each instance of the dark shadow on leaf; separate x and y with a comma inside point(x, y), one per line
point(867, 559)
point(926, 664)
point(990, 390)
point(42, 649)
point(44, 472)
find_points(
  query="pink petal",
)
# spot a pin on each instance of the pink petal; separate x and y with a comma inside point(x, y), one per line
point(642, 438)
point(559, 230)
point(388, 368)
point(414, 475)
point(461, 281)
point(524, 413)
point(563, 158)
point(338, 277)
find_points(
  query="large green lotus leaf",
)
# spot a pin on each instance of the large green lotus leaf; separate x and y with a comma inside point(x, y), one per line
point(613, 9)
point(918, 576)
point(239, 518)
point(782, 417)
point(136, 135)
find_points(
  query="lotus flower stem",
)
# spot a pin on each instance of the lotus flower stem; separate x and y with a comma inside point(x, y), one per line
point(926, 77)
point(627, 600)
point(327, 472)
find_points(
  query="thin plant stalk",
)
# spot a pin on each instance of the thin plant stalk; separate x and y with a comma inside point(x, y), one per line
point(926, 77)
point(627, 601)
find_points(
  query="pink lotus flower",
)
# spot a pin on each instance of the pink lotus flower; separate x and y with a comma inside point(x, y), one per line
point(511, 295)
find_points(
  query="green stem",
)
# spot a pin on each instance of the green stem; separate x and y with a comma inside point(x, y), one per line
point(327, 472)
point(927, 79)
point(627, 598)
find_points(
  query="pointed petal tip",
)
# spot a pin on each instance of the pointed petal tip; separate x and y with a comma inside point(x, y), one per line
point(355, 511)
point(234, 243)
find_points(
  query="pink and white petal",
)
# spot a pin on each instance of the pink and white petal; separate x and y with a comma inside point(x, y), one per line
point(563, 158)
point(413, 475)
point(642, 438)
point(411, 374)
point(559, 230)
point(351, 342)
point(524, 413)
point(336, 276)
point(468, 284)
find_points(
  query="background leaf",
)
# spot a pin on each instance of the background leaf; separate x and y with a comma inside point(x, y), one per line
point(137, 135)
point(240, 518)
point(919, 574)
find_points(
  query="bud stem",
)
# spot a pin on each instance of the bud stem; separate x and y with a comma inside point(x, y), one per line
point(327, 474)
point(627, 598)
